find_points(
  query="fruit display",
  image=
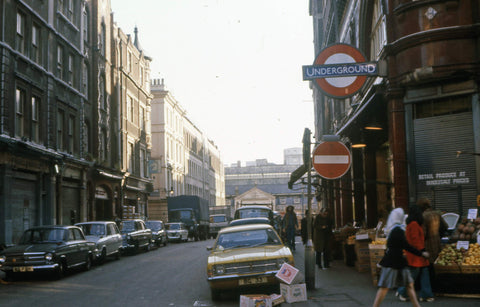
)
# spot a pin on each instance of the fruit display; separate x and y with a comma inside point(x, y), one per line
point(450, 255)
point(467, 230)
point(472, 257)
point(379, 241)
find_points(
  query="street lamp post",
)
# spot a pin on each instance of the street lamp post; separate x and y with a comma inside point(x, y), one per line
point(309, 251)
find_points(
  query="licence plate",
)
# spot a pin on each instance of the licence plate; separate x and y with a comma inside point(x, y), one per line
point(23, 269)
point(252, 281)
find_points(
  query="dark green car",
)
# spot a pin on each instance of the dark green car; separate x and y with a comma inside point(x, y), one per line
point(48, 248)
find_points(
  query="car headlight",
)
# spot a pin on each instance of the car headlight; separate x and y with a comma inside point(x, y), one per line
point(2, 258)
point(48, 257)
point(219, 269)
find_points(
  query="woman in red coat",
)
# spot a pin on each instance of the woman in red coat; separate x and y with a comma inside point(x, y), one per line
point(418, 265)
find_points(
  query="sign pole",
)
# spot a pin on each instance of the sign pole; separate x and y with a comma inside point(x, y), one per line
point(309, 250)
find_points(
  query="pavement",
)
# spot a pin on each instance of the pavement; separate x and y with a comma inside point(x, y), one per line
point(343, 286)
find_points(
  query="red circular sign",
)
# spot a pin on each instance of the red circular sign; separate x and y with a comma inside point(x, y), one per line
point(339, 54)
point(331, 160)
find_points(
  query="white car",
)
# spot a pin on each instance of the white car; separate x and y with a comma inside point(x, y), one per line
point(105, 235)
point(177, 232)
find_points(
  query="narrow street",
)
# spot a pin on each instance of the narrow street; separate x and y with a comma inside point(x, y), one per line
point(168, 276)
point(175, 276)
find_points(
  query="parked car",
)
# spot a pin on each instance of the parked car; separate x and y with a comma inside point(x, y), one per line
point(106, 237)
point(177, 232)
point(159, 235)
point(135, 235)
point(217, 222)
point(48, 248)
point(250, 220)
point(249, 211)
point(245, 256)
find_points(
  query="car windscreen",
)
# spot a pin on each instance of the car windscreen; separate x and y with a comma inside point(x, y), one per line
point(253, 212)
point(172, 226)
point(127, 226)
point(93, 229)
point(218, 219)
point(155, 226)
point(247, 238)
point(43, 235)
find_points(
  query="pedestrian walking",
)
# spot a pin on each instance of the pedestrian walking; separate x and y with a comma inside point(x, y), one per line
point(322, 238)
point(418, 265)
point(290, 226)
point(434, 227)
point(394, 271)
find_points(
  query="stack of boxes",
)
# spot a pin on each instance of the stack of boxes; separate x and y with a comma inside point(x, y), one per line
point(128, 212)
point(362, 264)
point(292, 286)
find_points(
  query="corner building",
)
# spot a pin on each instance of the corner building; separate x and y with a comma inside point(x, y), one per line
point(425, 109)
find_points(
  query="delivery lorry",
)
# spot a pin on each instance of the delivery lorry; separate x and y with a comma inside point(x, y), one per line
point(193, 212)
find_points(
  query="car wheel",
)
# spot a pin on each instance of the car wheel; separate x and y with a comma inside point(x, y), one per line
point(148, 247)
point(10, 276)
point(117, 255)
point(88, 263)
point(215, 294)
point(165, 242)
point(61, 269)
point(103, 256)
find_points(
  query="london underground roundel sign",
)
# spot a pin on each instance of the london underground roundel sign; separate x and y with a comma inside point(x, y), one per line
point(331, 160)
point(340, 70)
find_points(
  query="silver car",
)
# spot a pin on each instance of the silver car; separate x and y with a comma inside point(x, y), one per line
point(177, 232)
point(105, 235)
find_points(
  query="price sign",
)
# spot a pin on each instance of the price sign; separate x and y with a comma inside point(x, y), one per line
point(472, 214)
point(464, 244)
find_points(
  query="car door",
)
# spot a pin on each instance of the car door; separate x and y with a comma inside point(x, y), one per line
point(72, 249)
point(82, 246)
point(113, 239)
point(117, 237)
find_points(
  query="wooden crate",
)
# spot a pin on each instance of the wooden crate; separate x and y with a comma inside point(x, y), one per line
point(468, 269)
point(447, 269)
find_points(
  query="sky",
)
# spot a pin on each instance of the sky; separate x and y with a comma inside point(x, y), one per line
point(234, 65)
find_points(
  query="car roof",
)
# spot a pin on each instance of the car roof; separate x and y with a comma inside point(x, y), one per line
point(94, 222)
point(175, 223)
point(156, 221)
point(245, 227)
point(250, 220)
point(254, 207)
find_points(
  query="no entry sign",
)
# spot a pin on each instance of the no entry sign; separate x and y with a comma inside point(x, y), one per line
point(340, 70)
point(331, 160)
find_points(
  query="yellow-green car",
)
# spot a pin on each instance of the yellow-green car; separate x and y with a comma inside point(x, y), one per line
point(245, 255)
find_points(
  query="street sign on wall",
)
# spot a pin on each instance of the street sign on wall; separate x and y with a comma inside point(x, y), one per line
point(340, 70)
point(331, 160)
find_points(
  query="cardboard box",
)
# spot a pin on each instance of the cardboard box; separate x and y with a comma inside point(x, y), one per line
point(289, 274)
point(277, 299)
point(294, 293)
point(255, 300)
